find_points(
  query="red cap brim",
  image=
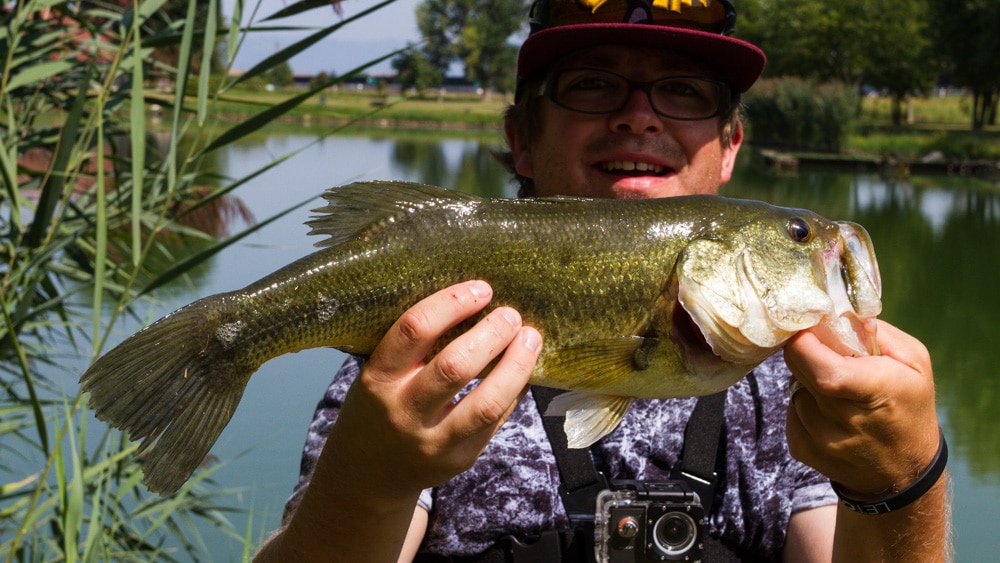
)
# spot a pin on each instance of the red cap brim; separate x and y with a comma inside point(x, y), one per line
point(737, 62)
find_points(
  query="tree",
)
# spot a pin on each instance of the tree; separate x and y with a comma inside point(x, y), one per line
point(323, 77)
point(967, 37)
point(415, 71)
point(898, 56)
point(475, 33)
point(805, 38)
point(281, 75)
point(883, 44)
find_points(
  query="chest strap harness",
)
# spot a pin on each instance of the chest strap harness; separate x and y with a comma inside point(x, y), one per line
point(581, 481)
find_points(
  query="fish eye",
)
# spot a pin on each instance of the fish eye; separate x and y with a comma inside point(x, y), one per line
point(799, 230)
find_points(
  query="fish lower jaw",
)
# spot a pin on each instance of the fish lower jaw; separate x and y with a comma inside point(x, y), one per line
point(850, 335)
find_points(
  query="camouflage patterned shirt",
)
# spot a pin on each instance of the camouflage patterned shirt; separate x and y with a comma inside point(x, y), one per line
point(513, 487)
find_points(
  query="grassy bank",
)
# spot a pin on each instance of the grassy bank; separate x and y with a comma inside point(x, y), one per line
point(450, 111)
point(939, 126)
point(927, 142)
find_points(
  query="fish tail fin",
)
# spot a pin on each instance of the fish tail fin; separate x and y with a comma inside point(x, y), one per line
point(172, 385)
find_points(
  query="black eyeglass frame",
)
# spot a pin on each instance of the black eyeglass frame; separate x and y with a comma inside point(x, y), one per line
point(728, 97)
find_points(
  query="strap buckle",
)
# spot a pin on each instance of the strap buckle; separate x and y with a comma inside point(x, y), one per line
point(580, 503)
point(549, 547)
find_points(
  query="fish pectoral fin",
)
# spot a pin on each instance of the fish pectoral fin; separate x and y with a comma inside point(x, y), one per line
point(594, 365)
point(589, 416)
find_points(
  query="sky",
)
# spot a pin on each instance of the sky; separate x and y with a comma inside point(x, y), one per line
point(372, 36)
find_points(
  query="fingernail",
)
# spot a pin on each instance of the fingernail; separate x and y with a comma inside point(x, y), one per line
point(512, 316)
point(480, 289)
point(532, 340)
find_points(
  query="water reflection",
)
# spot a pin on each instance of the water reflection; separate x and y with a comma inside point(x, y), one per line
point(945, 260)
point(475, 172)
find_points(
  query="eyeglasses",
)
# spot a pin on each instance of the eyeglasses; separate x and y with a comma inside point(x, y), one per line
point(687, 98)
point(713, 16)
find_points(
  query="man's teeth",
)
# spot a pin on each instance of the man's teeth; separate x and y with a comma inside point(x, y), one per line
point(630, 166)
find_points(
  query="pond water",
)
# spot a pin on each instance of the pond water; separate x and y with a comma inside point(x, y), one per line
point(938, 242)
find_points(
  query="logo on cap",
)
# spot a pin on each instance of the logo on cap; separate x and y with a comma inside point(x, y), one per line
point(641, 11)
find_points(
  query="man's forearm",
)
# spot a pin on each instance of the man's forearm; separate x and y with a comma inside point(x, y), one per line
point(347, 513)
point(343, 531)
point(918, 532)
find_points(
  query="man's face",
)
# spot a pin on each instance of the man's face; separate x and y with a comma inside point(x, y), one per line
point(631, 153)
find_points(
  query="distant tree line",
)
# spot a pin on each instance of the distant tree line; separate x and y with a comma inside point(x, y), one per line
point(475, 33)
point(897, 47)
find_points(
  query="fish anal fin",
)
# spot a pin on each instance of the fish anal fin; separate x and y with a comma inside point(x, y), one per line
point(589, 416)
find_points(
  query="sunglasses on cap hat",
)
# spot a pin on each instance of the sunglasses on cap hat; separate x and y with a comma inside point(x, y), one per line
point(699, 29)
point(712, 16)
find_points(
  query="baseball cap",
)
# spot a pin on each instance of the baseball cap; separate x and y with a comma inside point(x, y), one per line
point(700, 29)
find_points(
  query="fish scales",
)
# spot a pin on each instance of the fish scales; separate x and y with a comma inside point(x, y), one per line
point(536, 266)
point(602, 280)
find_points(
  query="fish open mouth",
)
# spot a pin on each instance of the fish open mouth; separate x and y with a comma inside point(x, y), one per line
point(687, 333)
point(712, 369)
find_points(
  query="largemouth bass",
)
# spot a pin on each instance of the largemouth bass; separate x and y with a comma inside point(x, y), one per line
point(634, 299)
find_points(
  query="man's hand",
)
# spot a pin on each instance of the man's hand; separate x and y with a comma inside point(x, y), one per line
point(870, 424)
point(400, 429)
point(401, 412)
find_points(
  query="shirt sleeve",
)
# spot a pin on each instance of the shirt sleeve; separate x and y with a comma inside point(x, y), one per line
point(812, 490)
point(426, 500)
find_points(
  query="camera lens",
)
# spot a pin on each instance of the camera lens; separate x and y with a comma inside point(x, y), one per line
point(675, 532)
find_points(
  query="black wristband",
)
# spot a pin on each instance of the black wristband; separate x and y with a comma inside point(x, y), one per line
point(903, 498)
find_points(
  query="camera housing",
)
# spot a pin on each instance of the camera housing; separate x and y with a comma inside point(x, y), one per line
point(641, 521)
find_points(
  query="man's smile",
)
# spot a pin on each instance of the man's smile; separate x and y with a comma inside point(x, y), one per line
point(632, 167)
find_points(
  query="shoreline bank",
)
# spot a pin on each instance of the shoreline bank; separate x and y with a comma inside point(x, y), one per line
point(935, 164)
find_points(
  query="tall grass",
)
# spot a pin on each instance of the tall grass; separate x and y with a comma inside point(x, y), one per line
point(92, 221)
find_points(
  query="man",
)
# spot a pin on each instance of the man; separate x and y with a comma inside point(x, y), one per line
point(622, 110)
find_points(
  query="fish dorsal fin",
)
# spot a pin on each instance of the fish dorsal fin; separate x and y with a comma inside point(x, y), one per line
point(589, 416)
point(359, 210)
point(594, 364)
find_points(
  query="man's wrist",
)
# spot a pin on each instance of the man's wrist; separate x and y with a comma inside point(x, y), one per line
point(905, 497)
